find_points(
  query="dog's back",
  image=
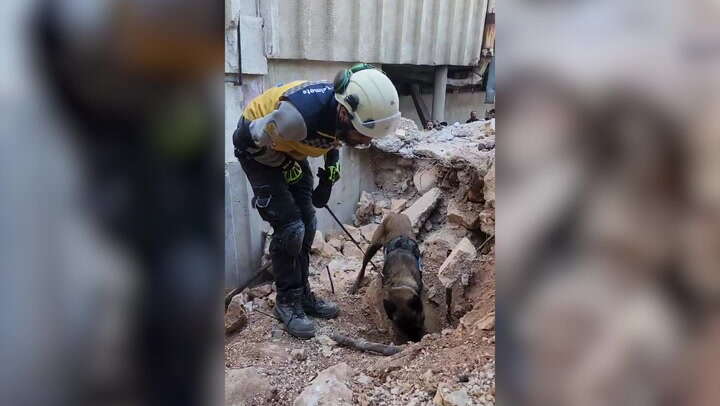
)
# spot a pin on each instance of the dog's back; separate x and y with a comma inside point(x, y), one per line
point(401, 277)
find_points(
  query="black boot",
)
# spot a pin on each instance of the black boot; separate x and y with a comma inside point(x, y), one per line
point(290, 311)
point(316, 307)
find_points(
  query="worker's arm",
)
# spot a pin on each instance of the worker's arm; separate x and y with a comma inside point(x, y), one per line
point(327, 177)
point(284, 123)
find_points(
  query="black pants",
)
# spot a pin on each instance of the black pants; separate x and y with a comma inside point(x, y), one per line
point(289, 210)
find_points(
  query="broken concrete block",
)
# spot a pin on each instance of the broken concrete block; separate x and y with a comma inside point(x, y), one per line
point(329, 251)
point(421, 209)
point(365, 208)
point(398, 205)
point(478, 320)
point(330, 387)
point(380, 205)
point(318, 243)
point(350, 250)
point(487, 221)
point(235, 316)
point(368, 231)
point(336, 243)
point(425, 179)
point(354, 232)
point(466, 215)
point(450, 270)
point(245, 386)
point(489, 186)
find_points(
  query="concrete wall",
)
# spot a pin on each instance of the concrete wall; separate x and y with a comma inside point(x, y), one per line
point(457, 106)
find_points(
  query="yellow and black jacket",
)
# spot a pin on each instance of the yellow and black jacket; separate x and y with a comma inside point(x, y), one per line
point(297, 119)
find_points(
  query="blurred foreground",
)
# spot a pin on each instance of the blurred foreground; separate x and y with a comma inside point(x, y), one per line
point(607, 204)
point(112, 188)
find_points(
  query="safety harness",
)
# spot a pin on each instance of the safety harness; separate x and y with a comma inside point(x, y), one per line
point(407, 244)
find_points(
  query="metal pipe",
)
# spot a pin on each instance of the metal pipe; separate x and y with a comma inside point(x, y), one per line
point(441, 76)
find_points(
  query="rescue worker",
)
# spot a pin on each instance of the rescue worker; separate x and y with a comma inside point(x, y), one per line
point(278, 130)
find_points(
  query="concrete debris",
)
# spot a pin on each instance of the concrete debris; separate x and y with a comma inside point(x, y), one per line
point(450, 271)
point(487, 221)
point(245, 387)
point(477, 319)
point(351, 250)
point(465, 214)
point(398, 205)
point(335, 242)
point(489, 186)
point(365, 208)
point(354, 232)
point(380, 207)
point(423, 207)
point(425, 179)
point(318, 243)
point(330, 387)
point(444, 397)
point(260, 292)
point(235, 317)
point(471, 143)
point(368, 231)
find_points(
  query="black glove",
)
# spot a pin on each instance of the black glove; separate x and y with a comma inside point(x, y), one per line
point(321, 194)
point(292, 171)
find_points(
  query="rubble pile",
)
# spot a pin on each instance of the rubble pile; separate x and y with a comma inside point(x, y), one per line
point(444, 180)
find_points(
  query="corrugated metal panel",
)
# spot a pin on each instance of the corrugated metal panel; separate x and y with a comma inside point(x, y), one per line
point(419, 32)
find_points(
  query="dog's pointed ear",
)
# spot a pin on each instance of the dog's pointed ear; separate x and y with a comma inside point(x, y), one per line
point(389, 308)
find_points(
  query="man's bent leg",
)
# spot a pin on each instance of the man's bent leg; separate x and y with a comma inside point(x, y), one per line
point(276, 205)
point(302, 193)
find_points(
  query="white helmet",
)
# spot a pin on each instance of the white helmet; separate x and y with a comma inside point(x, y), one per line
point(370, 97)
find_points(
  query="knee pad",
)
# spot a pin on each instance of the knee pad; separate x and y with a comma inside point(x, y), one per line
point(289, 239)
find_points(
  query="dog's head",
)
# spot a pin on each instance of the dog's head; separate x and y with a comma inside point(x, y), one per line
point(404, 307)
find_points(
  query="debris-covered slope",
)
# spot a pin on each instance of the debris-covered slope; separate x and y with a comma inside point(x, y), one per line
point(444, 180)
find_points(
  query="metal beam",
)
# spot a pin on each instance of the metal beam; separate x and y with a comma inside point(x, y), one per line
point(420, 106)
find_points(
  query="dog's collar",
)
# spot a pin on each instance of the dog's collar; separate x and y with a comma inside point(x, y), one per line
point(408, 287)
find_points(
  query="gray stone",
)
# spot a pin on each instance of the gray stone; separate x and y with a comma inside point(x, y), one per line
point(245, 387)
point(423, 207)
point(235, 316)
point(330, 387)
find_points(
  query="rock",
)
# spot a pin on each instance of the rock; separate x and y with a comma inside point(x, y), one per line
point(235, 317)
point(354, 232)
point(350, 250)
point(398, 205)
point(363, 379)
point(325, 340)
point(365, 208)
point(450, 270)
point(245, 387)
point(318, 243)
point(335, 243)
point(276, 332)
point(425, 179)
point(489, 186)
point(466, 215)
point(260, 292)
point(476, 319)
point(368, 231)
point(380, 206)
point(423, 207)
point(487, 221)
point(329, 251)
point(443, 397)
point(330, 387)
point(298, 354)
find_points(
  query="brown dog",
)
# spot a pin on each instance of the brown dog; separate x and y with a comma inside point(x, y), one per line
point(401, 276)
